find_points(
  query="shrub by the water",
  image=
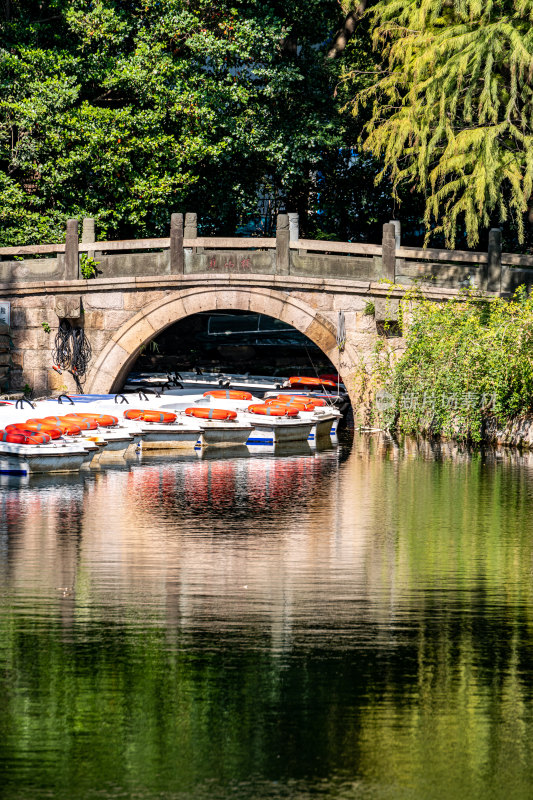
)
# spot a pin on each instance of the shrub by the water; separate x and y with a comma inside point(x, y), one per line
point(465, 360)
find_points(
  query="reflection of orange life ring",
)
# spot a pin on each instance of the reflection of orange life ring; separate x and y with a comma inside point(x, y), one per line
point(298, 398)
point(84, 424)
point(303, 381)
point(211, 413)
point(147, 415)
point(29, 428)
point(228, 394)
point(273, 411)
point(24, 436)
point(66, 428)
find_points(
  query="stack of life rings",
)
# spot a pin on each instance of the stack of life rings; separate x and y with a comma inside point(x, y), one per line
point(46, 429)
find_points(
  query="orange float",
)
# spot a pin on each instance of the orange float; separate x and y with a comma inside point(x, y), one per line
point(229, 394)
point(148, 415)
point(273, 410)
point(303, 381)
point(24, 436)
point(103, 420)
point(301, 405)
point(66, 428)
point(84, 424)
point(316, 401)
point(31, 427)
point(211, 413)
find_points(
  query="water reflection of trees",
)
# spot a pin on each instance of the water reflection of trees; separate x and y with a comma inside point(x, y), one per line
point(382, 644)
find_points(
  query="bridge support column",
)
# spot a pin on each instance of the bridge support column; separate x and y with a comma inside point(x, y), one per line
point(389, 252)
point(493, 277)
point(176, 245)
point(282, 244)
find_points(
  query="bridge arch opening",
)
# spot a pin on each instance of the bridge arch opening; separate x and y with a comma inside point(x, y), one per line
point(153, 321)
point(234, 342)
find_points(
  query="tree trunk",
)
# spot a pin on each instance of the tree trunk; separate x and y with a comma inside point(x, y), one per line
point(344, 34)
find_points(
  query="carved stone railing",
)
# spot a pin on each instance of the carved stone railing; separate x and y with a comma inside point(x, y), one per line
point(184, 252)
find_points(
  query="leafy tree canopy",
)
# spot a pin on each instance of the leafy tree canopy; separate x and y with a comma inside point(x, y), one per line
point(127, 111)
point(452, 109)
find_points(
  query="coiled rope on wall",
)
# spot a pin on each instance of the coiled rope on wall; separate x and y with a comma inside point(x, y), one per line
point(72, 352)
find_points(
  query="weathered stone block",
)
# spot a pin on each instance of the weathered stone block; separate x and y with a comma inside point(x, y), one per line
point(115, 319)
point(37, 359)
point(319, 300)
point(386, 309)
point(17, 358)
point(134, 301)
point(5, 359)
point(94, 320)
point(349, 302)
point(33, 317)
point(103, 300)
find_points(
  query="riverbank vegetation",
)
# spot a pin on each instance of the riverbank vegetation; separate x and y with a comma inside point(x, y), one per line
point(464, 361)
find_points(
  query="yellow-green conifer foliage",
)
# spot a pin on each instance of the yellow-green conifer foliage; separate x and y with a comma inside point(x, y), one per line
point(453, 110)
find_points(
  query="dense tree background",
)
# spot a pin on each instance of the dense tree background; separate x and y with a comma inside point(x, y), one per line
point(128, 111)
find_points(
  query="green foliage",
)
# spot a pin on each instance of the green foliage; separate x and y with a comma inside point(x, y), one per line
point(88, 266)
point(46, 327)
point(370, 309)
point(464, 360)
point(128, 111)
point(451, 111)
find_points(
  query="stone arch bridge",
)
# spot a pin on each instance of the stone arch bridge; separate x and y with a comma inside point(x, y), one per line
point(143, 286)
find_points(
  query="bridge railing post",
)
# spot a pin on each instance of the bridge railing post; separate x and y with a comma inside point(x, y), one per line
point(191, 230)
point(282, 244)
point(177, 266)
point(72, 266)
point(493, 275)
point(388, 252)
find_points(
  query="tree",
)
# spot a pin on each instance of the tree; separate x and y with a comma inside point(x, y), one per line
point(129, 111)
point(452, 109)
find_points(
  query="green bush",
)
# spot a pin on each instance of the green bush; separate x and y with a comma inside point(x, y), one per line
point(464, 360)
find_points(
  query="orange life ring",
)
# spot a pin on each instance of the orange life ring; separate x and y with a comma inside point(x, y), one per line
point(331, 377)
point(273, 411)
point(32, 426)
point(298, 398)
point(65, 426)
point(103, 420)
point(301, 405)
point(85, 424)
point(133, 413)
point(303, 381)
point(24, 436)
point(229, 394)
point(211, 413)
point(148, 415)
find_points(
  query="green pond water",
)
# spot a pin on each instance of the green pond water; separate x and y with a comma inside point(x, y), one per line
point(354, 623)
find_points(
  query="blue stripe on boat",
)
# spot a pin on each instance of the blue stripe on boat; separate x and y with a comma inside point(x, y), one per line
point(260, 441)
point(21, 472)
